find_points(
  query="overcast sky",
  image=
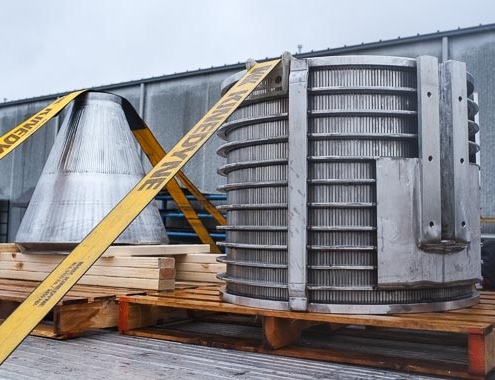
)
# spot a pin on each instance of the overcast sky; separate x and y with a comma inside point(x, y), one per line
point(52, 46)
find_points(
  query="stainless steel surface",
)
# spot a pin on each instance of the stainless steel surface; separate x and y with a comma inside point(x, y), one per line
point(256, 171)
point(400, 262)
point(93, 164)
point(296, 191)
point(430, 220)
point(344, 215)
point(386, 308)
point(455, 194)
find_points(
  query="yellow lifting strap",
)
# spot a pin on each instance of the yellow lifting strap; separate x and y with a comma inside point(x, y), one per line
point(153, 150)
point(15, 137)
point(155, 153)
point(27, 315)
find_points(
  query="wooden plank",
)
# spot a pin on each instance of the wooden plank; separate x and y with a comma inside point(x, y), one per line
point(77, 318)
point(209, 258)
point(182, 285)
point(117, 290)
point(197, 276)
point(13, 270)
point(447, 317)
point(185, 296)
point(150, 273)
point(137, 283)
point(474, 312)
point(488, 301)
point(25, 261)
point(484, 305)
point(155, 250)
point(201, 291)
point(200, 267)
point(20, 295)
point(136, 261)
point(27, 283)
point(114, 261)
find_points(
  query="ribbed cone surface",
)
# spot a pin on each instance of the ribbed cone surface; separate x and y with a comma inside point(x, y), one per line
point(93, 164)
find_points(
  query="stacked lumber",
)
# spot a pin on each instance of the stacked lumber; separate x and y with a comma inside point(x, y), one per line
point(150, 267)
point(200, 267)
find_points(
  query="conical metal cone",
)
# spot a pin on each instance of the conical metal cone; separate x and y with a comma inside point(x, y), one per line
point(93, 164)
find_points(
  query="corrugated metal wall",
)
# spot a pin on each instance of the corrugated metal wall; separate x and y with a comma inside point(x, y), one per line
point(172, 104)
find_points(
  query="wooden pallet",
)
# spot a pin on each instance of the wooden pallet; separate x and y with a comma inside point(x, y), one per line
point(82, 309)
point(93, 301)
point(458, 343)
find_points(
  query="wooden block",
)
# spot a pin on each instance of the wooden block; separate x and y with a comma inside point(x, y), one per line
point(9, 247)
point(77, 318)
point(481, 353)
point(281, 332)
point(133, 316)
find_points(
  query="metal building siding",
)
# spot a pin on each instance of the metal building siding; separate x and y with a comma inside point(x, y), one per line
point(479, 55)
point(172, 108)
point(173, 103)
point(21, 169)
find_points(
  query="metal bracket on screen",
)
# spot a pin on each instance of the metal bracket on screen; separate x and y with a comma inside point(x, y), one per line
point(274, 85)
point(443, 155)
